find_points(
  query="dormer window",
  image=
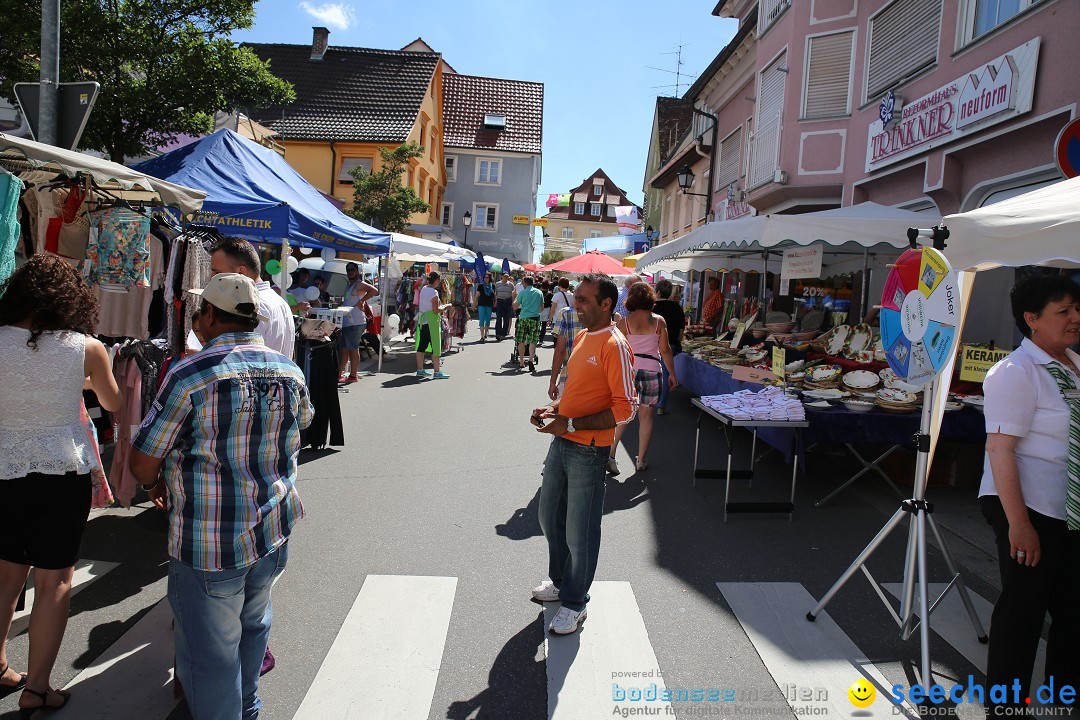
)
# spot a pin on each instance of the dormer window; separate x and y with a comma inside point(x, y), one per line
point(494, 122)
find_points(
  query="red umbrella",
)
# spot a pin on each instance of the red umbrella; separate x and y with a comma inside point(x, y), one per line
point(531, 267)
point(593, 261)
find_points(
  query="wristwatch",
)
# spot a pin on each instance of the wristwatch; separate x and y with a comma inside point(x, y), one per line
point(569, 425)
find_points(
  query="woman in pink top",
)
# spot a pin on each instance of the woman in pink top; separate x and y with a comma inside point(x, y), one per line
point(648, 337)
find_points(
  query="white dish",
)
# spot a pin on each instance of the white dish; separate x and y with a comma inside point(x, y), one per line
point(835, 339)
point(860, 379)
point(858, 405)
point(819, 404)
point(898, 397)
point(830, 394)
point(824, 372)
point(858, 339)
point(975, 401)
point(951, 406)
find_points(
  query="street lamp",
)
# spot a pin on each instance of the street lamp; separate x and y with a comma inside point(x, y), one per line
point(466, 220)
point(686, 181)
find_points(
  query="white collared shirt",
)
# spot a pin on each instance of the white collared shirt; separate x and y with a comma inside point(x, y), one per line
point(279, 334)
point(1024, 400)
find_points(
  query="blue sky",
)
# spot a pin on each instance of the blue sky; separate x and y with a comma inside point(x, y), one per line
point(599, 90)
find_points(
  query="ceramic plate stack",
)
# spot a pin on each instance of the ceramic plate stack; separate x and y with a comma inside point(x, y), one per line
point(889, 380)
point(898, 401)
point(822, 377)
point(860, 381)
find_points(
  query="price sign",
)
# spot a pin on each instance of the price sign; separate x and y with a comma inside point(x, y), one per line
point(779, 359)
point(738, 335)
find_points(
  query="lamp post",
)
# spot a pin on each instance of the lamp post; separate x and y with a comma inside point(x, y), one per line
point(466, 220)
point(686, 181)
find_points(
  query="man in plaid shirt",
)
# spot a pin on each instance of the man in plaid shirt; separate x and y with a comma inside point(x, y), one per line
point(222, 439)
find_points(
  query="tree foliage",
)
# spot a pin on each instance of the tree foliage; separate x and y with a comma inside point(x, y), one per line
point(550, 256)
point(165, 66)
point(379, 198)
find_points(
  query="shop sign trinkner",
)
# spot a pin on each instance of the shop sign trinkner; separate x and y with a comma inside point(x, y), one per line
point(992, 93)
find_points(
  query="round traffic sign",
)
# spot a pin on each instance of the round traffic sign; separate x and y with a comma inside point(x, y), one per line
point(1067, 149)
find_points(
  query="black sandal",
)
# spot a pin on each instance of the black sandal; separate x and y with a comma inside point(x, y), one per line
point(6, 690)
point(26, 713)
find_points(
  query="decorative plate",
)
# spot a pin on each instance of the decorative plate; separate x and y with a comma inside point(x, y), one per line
point(897, 397)
point(975, 401)
point(824, 372)
point(858, 339)
point(825, 394)
point(819, 404)
point(861, 379)
point(835, 339)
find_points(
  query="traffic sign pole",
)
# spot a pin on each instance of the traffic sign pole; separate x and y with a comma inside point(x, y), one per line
point(50, 71)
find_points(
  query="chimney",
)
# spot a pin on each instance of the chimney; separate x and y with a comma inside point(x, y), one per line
point(320, 38)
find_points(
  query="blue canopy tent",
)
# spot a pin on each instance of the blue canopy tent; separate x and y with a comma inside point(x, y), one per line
point(254, 194)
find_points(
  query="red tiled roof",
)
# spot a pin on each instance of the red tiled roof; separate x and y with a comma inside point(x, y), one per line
point(359, 94)
point(467, 98)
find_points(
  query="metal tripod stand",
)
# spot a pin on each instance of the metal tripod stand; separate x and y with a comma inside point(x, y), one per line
point(919, 513)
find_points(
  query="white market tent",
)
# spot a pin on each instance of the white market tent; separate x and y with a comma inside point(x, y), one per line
point(1039, 227)
point(45, 161)
point(857, 237)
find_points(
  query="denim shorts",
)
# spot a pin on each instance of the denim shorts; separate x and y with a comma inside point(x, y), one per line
point(352, 336)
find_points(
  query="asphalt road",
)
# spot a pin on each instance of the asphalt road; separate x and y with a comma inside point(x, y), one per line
point(441, 479)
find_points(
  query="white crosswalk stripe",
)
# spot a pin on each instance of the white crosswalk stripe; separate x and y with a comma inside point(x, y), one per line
point(385, 661)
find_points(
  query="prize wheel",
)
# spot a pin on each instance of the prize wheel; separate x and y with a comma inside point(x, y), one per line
point(919, 311)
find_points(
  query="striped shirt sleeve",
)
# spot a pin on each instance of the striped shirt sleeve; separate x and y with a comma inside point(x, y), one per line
point(163, 423)
point(620, 374)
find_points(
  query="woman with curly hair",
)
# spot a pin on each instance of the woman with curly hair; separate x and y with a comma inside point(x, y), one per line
point(46, 359)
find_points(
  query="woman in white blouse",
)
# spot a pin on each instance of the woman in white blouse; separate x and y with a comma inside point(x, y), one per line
point(1025, 484)
point(46, 358)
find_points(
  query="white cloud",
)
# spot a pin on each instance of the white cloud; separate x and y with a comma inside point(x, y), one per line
point(336, 15)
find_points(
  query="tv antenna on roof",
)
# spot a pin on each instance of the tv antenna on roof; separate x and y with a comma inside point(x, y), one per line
point(677, 72)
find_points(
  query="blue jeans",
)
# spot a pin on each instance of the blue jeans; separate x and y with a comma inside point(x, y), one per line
point(571, 507)
point(483, 314)
point(664, 375)
point(222, 624)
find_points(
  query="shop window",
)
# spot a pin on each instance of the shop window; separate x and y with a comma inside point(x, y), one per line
point(904, 38)
point(828, 75)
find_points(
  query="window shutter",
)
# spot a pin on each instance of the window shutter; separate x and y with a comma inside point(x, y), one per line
point(770, 105)
point(730, 150)
point(828, 74)
point(904, 37)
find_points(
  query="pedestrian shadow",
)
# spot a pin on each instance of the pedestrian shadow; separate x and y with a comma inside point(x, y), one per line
point(628, 493)
point(402, 381)
point(311, 454)
point(524, 523)
point(517, 683)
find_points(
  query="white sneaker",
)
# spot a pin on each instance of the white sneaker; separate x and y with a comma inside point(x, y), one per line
point(546, 592)
point(612, 466)
point(567, 621)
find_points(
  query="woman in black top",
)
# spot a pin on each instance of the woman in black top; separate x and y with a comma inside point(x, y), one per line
point(545, 314)
point(676, 322)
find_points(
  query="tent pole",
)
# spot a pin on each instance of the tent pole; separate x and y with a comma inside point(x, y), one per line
point(284, 267)
point(384, 281)
point(865, 283)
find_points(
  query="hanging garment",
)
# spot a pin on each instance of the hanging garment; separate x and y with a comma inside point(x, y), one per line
point(119, 253)
point(10, 188)
point(127, 314)
point(318, 360)
point(126, 420)
point(457, 325)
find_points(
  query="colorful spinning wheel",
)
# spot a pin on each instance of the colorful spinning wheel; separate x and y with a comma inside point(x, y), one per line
point(919, 311)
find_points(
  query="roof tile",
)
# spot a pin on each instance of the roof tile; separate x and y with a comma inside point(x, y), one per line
point(467, 98)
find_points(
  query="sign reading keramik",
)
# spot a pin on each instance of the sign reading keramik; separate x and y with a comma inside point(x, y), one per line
point(975, 361)
point(991, 93)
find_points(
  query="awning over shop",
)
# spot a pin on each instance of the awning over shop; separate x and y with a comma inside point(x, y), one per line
point(50, 160)
point(1039, 227)
point(253, 193)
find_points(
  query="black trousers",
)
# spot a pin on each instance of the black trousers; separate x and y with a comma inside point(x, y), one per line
point(1027, 595)
point(504, 308)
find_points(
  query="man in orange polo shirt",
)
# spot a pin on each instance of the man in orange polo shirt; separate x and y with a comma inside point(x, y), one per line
point(599, 395)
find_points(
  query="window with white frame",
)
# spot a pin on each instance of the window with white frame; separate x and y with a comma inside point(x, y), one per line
point(487, 171)
point(485, 217)
point(567, 233)
point(450, 162)
point(595, 209)
point(448, 214)
point(979, 17)
point(596, 233)
point(597, 190)
point(904, 38)
point(579, 208)
point(828, 75)
point(611, 211)
point(730, 156)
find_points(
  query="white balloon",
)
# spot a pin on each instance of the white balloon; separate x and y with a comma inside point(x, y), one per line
point(292, 263)
point(282, 279)
point(312, 293)
point(304, 250)
point(292, 282)
point(328, 254)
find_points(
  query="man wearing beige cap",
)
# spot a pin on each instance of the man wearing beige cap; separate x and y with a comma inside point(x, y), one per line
point(221, 440)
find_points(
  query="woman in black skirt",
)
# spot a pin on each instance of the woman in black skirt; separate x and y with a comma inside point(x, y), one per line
point(46, 355)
